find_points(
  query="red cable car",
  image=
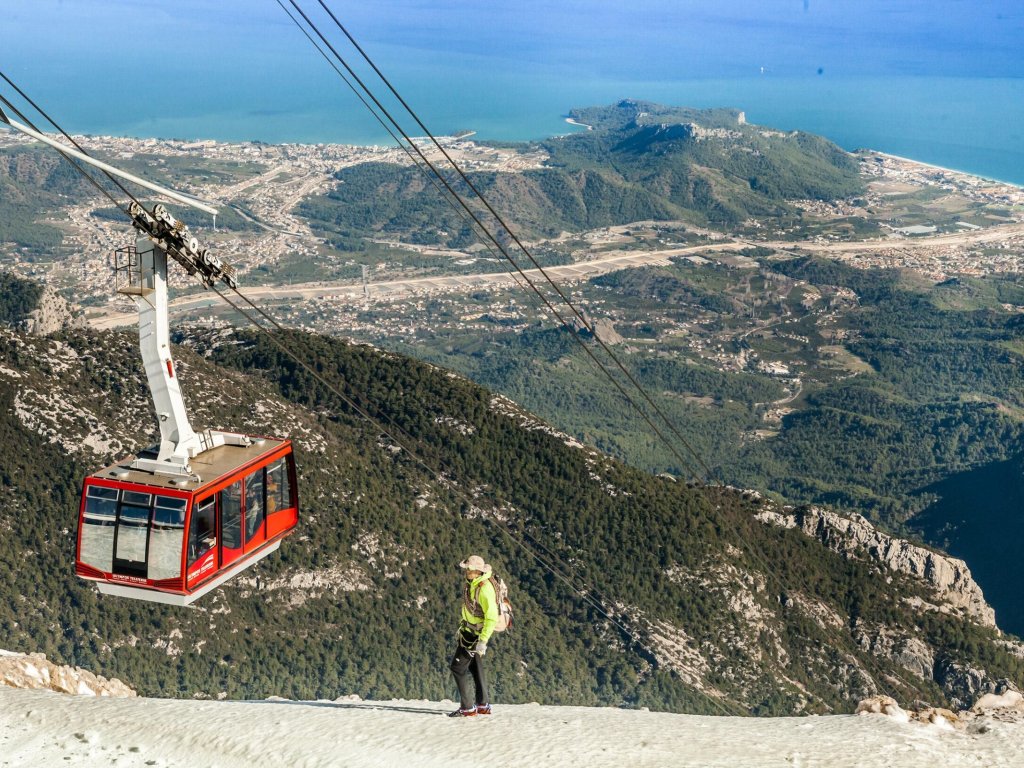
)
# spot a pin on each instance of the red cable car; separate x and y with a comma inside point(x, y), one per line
point(171, 540)
point(152, 527)
point(186, 515)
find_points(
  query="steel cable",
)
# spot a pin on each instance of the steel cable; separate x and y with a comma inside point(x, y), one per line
point(684, 463)
point(755, 550)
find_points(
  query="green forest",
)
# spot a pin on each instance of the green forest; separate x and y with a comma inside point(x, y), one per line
point(33, 185)
point(664, 558)
point(940, 393)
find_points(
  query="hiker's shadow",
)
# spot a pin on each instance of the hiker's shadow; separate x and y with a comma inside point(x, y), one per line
point(357, 705)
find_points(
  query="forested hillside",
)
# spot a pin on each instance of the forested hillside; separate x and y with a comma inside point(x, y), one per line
point(18, 297)
point(31, 185)
point(901, 385)
point(944, 393)
point(363, 598)
point(641, 162)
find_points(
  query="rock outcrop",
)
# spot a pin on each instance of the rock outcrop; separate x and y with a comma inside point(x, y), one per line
point(19, 670)
point(53, 313)
point(1007, 706)
point(882, 705)
point(1009, 699)
point(603, 329)
point(911, 653)
point(964, 684)
point(855, 536)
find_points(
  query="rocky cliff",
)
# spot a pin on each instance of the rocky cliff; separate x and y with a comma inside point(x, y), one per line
point(19, 670)
point(855, 536)
point(53, 313)
point(37, 309)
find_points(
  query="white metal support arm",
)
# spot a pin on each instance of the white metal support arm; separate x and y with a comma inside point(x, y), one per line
point(161, 234)
point(178, 442)
point(163, 191)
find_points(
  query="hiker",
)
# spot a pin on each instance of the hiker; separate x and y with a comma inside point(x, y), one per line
point(479, 617)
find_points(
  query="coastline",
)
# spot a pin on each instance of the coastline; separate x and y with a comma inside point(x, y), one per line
point(12, 138)
point(943, 168)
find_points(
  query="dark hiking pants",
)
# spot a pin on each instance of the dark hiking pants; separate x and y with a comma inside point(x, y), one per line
point(466, 663)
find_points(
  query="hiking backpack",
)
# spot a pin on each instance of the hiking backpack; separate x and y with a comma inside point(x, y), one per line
point(504, 605)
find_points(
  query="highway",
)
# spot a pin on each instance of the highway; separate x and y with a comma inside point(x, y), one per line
point(394, 289)
point(583, 270)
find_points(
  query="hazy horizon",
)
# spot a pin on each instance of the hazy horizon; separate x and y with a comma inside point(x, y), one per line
point(940, 81)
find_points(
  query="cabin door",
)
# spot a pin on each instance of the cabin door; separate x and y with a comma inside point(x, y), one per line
point(231, 524)
point(131, 536)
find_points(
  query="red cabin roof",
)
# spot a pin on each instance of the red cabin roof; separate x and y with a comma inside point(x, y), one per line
point(212, 466)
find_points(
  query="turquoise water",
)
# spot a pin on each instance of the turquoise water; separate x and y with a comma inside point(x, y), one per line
point(975, 125)
point(940, 81)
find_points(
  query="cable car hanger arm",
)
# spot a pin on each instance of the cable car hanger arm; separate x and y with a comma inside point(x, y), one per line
point(160, 226)
point(163, 191)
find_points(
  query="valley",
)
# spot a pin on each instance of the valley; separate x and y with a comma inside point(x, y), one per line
point(721, 304)
point(824, 329)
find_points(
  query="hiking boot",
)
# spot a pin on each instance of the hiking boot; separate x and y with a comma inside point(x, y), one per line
point(483, 709)
point(463, 713)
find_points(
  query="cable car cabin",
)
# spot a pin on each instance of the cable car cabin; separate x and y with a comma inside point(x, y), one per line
point(171, 540)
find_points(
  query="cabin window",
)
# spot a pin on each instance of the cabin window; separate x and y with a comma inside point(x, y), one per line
point(231, 516)
point(202, 535)
point(255, 509)
point(278, 487)
point(166, 537)
point(97, 547)
point(132, 527)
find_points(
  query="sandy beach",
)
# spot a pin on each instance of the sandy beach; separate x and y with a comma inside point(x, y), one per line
point(944, 169)
point(570, 121)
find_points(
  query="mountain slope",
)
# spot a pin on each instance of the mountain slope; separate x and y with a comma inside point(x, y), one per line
point(642, 161)
point(33, 184)
point(725, 603)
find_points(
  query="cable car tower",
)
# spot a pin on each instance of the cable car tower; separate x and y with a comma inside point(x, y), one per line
point(184, 516)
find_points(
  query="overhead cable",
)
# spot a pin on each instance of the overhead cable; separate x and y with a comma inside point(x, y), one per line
point(756, 552)
point(549, 565)
point(684, 463)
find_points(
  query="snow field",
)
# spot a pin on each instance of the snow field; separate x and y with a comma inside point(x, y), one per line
point(42, 728)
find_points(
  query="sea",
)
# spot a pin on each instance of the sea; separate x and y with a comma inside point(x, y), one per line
point(938, 81)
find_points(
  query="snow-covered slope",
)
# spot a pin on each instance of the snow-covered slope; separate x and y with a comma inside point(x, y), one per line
point(42, 728)
point(106, 725)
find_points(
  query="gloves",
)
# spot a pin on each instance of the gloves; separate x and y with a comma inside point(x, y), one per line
point(480, 649)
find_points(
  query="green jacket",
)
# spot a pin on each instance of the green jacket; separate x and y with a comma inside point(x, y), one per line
point(480, 606)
